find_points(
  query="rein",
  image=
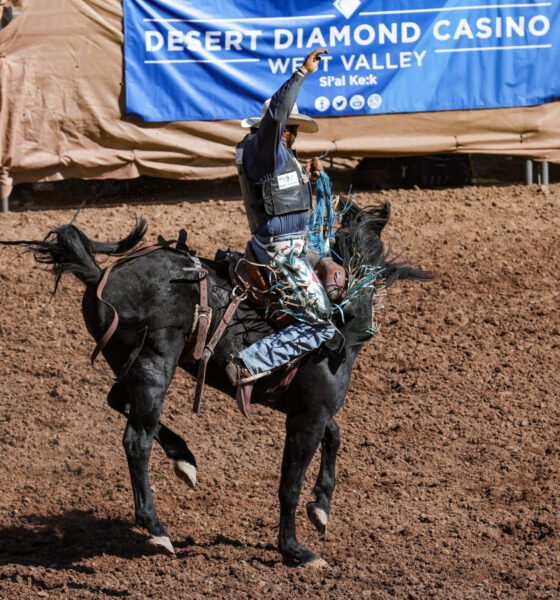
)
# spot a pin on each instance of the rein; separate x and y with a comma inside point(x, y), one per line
point(322, 218)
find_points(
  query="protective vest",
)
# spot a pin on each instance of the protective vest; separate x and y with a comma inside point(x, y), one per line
point(288, 192)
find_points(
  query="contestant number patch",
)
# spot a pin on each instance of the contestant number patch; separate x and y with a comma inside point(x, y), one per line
point(287, 180)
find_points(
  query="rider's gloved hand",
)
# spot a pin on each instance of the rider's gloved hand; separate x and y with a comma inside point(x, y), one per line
point(313, 169)
point(312, 61)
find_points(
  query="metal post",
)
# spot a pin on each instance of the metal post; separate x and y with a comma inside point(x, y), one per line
point(6, 187)
point(528, 171)
point(544, 172)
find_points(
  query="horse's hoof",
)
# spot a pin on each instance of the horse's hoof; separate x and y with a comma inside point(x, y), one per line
point(318, 518)
point(317, 563)
point(186, 472)
point(161, 544)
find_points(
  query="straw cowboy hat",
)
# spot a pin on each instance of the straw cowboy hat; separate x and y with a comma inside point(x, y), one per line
point(306, 124)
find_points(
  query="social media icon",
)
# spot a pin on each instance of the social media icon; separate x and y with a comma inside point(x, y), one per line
point(374, 101)
point(357, 102)
point(322, 103)
point(339, 103)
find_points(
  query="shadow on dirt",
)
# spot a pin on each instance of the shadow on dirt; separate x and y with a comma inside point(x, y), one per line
point(100, 193)
point(65, 540)
point(61, 541)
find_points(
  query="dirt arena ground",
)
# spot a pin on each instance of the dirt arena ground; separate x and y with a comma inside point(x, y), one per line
point(448, 474)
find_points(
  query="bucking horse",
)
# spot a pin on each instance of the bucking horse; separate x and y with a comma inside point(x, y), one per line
point(144, 312)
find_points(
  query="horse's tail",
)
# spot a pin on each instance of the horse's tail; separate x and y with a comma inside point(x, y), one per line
point(126, 244)
point(395, 270)
point(69, 250)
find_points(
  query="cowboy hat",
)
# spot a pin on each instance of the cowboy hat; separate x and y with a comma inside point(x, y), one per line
point(306, 124)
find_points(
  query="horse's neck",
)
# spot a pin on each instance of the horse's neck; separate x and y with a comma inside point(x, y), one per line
point(352, 352)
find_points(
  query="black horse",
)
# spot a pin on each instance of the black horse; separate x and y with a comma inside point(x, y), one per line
point(155, 299)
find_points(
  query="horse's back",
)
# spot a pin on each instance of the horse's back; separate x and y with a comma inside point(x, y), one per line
point(152, 291)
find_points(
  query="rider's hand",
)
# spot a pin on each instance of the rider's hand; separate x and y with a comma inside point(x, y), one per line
point(312, 61)
point(313, 169)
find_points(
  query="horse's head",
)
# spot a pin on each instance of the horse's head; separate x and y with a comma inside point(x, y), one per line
point(368, 267)
point(377, 216)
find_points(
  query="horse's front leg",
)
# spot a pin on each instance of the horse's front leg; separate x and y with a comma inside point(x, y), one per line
point(318, 511)
point(174, 446)
point(147, 383)
point(304, 432)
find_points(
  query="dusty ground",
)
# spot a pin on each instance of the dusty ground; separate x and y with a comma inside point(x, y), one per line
point(448, 475)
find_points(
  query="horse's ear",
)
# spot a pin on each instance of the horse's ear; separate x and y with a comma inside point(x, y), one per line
point(386, 212)
point(382, 216)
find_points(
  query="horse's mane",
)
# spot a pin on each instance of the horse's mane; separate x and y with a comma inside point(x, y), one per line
point(358, 238)
point(359, 245)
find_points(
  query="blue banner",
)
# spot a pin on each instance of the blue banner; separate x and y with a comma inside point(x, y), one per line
point(220, 59)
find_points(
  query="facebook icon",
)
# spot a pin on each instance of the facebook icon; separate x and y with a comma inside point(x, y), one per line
point(322, 103)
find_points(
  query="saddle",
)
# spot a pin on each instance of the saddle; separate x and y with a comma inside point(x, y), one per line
point(246, 272)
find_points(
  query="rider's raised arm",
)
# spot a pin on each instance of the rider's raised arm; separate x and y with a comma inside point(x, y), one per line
point(263, 156)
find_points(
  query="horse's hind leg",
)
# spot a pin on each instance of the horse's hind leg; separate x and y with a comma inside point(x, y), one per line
point(174, 446)
point(318, 511)
point(146, 384)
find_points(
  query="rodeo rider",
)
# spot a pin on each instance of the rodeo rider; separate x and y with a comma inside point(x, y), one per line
point(277, 194)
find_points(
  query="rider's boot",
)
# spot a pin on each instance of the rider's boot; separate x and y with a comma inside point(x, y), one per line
point(240, 376)
point(237, 374)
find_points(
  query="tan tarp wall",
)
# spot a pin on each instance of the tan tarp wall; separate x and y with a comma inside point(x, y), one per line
point(61, 103)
